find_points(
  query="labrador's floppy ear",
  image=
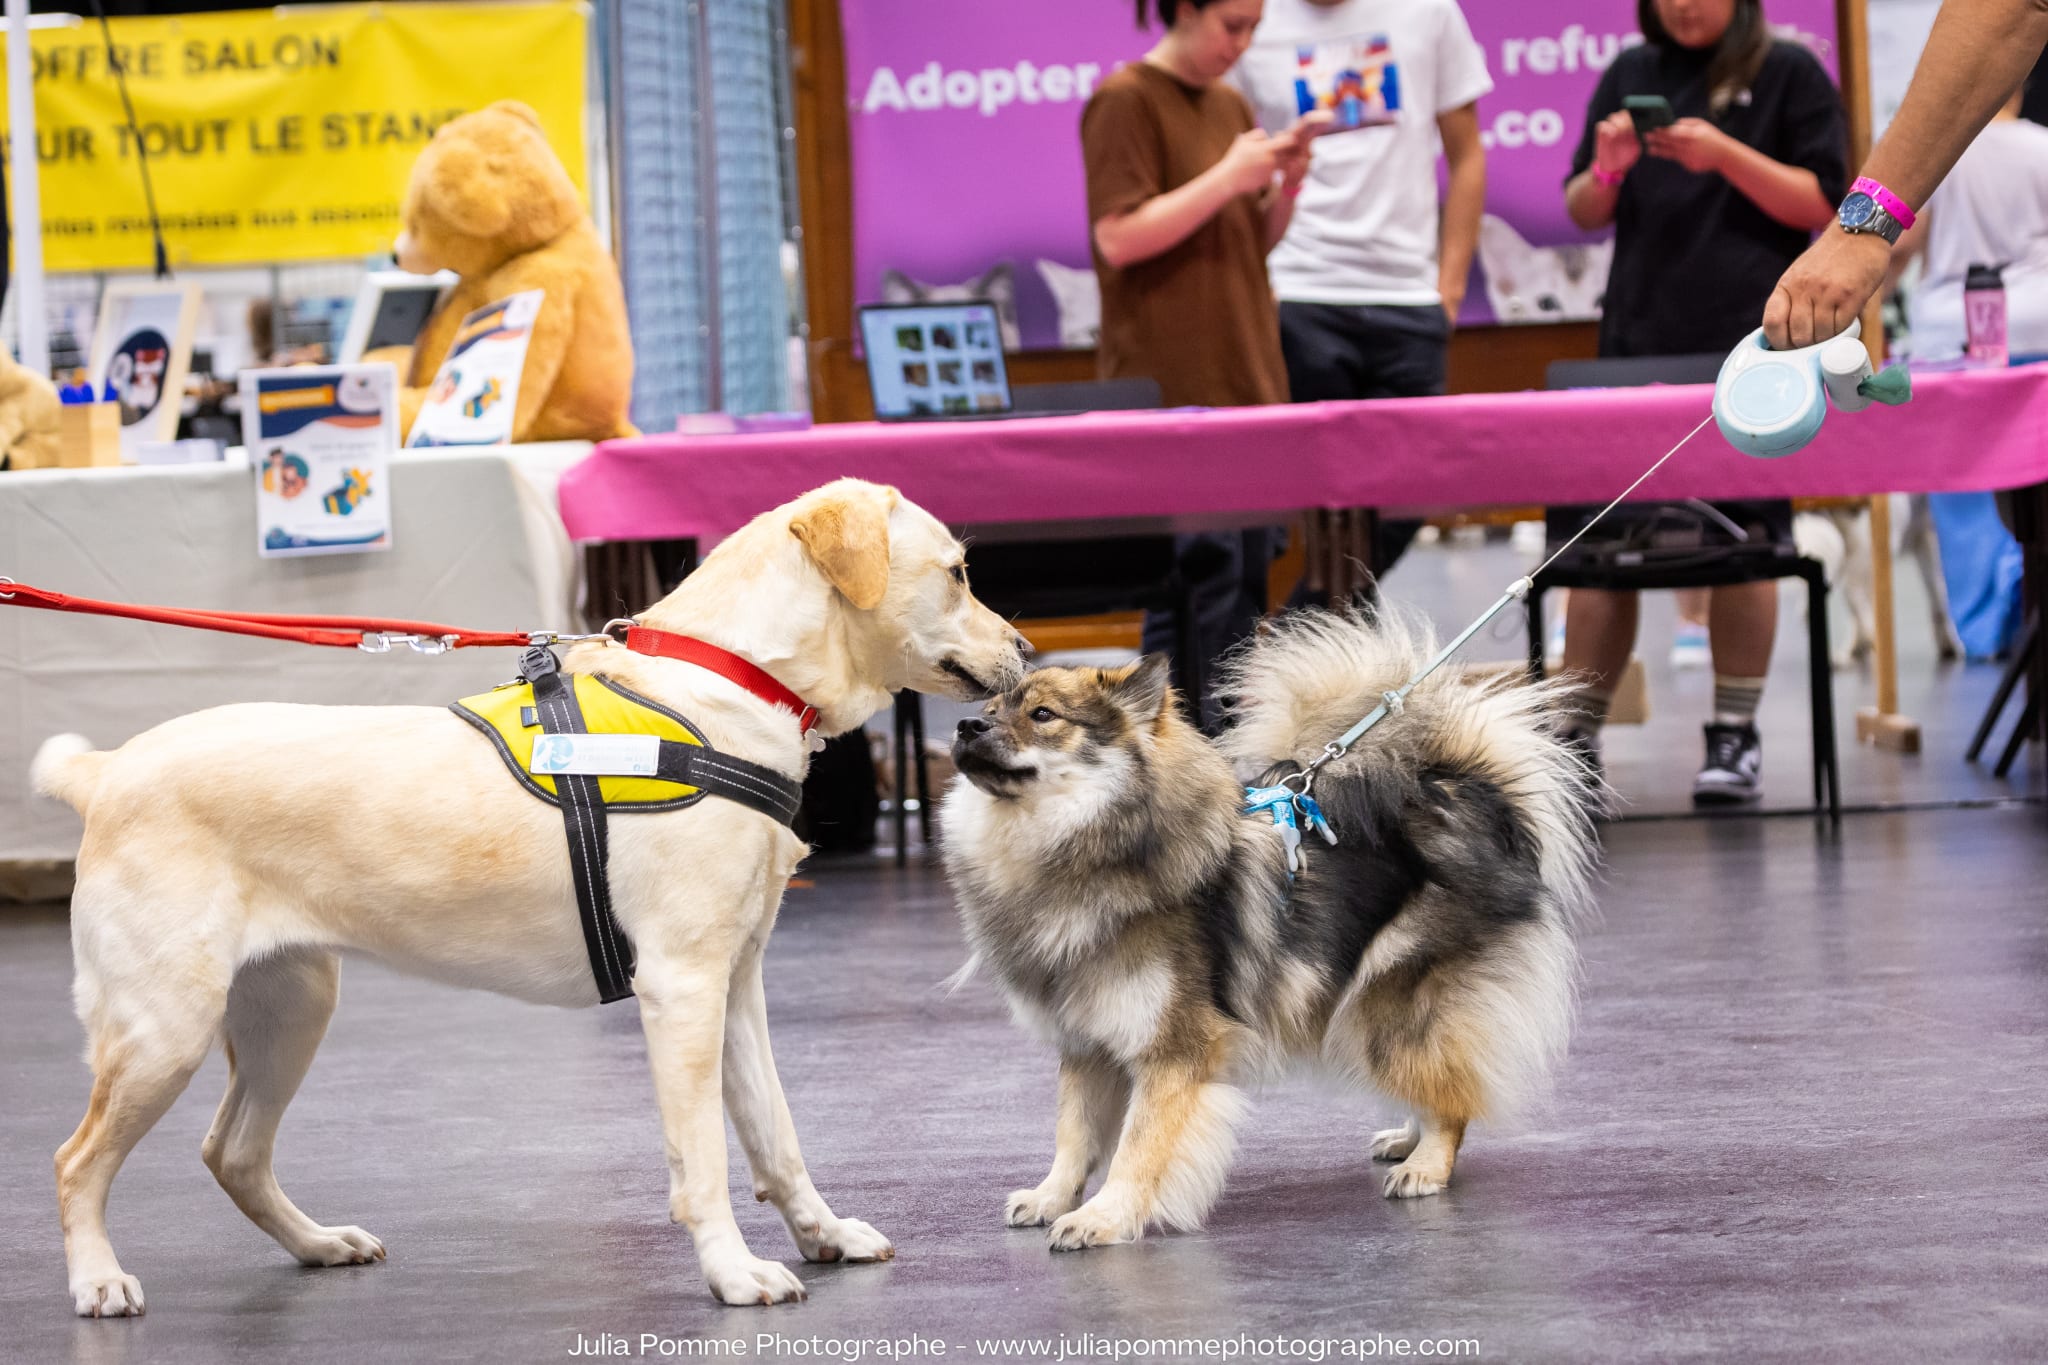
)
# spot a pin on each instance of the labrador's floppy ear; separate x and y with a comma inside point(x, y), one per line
point(846, 531)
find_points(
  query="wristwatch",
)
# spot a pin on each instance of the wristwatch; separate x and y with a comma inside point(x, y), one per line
point(1872, 208)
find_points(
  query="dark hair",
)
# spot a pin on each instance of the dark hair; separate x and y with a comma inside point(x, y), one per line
point(1167, 9)
point(1737, 57)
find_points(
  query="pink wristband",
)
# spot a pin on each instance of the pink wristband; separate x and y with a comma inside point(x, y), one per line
point(1608, 178)
point(1886, 200)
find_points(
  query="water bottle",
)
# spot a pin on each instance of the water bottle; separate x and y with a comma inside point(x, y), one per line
point(1984, 315)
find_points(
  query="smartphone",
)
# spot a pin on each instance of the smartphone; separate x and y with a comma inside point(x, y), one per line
point(1649, 112)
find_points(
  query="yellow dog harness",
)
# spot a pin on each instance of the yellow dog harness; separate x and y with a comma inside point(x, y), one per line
point(589, 745)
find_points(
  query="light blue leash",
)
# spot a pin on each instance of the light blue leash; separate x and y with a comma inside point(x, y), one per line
point(1391, 702)
point(1774, 409)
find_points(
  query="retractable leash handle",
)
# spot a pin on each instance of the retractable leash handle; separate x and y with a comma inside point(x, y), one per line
point(1769, 404)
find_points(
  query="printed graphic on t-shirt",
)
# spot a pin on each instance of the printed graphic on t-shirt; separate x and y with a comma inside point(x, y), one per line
point(1355, 79)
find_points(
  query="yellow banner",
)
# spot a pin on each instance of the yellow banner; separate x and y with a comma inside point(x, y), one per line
point(279, 135)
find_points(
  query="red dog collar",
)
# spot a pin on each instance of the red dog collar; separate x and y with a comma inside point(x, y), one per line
point(726, 664)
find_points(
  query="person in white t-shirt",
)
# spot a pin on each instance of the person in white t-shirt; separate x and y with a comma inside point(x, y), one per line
point(1371, 273)
point(1992, 210)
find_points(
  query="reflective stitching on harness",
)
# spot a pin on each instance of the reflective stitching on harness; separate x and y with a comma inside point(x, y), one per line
point(745, 780)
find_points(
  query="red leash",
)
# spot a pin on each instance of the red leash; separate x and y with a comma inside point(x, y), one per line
point(378, 635)
point(372, 634)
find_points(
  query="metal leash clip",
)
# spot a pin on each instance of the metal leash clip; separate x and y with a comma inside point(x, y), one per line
point(5, 579)
point(384, 641)
point(1335, 749)
point(614, 632)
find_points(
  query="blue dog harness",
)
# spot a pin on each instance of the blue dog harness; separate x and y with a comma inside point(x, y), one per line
point(1290, 811)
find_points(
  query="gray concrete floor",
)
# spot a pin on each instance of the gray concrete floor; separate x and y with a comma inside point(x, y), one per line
point(1802, 1122)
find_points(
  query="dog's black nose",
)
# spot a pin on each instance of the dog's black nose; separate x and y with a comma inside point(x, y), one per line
point(975, 725)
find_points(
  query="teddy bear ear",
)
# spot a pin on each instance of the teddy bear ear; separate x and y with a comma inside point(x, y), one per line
point(518, 109)
point(474, 204)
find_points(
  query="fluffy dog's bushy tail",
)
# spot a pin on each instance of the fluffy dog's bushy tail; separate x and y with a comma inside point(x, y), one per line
point(1313, 675)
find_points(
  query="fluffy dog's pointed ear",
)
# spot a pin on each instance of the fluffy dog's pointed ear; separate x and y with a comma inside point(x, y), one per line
point(846, 532)
point(1141, 688)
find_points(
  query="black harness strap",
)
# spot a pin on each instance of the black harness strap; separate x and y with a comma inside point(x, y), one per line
point(581, 799)
point(735, 779)
point(582, 803)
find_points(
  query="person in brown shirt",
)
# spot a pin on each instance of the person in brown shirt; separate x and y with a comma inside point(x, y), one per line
point(1186, 194)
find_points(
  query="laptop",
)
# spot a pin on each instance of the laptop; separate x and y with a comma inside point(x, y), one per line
point(936, 362)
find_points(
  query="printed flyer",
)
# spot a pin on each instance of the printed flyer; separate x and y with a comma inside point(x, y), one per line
point(474, 396)
point(320, 440)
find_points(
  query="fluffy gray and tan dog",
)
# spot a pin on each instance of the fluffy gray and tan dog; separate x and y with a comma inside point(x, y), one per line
point(1130, 912)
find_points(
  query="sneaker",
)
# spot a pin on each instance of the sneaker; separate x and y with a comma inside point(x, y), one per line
point(1689, 648)
point(1732, 775)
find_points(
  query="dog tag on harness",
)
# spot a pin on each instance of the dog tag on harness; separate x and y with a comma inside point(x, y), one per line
point(595, 755)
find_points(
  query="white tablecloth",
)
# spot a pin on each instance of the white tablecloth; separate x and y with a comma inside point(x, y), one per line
point(476, 542)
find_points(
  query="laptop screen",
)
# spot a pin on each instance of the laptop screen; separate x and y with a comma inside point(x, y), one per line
point(934, 359)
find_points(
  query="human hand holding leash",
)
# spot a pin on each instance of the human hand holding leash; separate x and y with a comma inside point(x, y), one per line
point(1976, 55)
point(1826, 289)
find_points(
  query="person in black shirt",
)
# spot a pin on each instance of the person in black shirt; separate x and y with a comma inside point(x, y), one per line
point(1707, 214)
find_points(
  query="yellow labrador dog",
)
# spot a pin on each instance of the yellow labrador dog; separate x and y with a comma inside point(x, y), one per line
point(231, 856)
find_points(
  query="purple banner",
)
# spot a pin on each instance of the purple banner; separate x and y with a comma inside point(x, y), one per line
point(967, 177)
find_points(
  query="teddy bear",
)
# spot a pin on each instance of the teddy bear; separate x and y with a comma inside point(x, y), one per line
point(30, 418)
point(490, 201)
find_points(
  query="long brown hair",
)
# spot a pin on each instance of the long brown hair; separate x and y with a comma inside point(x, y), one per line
point(1737, 58)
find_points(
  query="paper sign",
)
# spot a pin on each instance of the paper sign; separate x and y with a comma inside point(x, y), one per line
point(595, 755)
point(142, 348)
point(477, 390)
point(320, 440)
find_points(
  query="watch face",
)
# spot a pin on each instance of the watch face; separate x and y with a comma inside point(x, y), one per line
point(1857, 211)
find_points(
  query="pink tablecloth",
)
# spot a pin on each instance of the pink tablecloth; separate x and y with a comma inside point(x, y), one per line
point(1962, 431)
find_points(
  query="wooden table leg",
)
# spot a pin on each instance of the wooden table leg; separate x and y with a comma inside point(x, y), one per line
point(1882, 725)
